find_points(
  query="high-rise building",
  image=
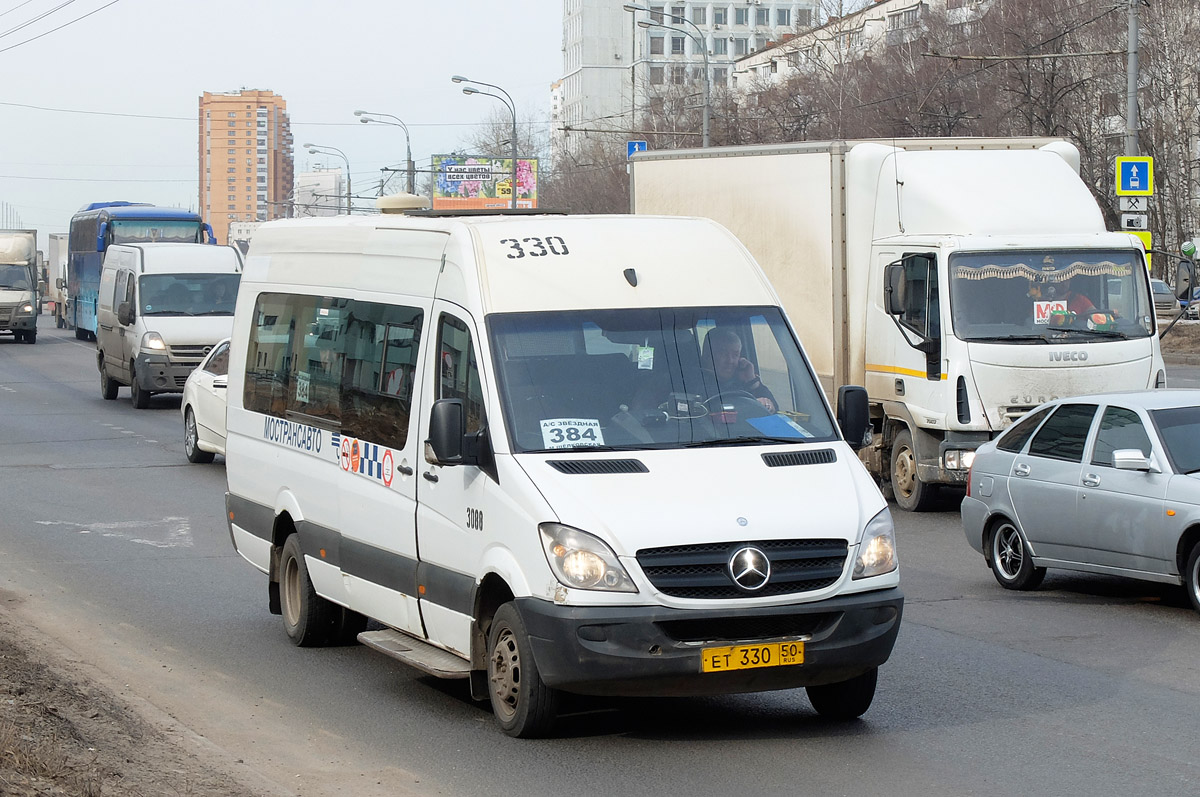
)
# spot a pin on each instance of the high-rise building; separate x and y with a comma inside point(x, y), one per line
point(245, 158)
point(615, 60)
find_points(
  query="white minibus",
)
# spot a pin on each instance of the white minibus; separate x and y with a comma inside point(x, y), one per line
point(553, 454)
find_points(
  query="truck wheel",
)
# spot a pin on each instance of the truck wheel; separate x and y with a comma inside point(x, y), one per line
point(31, 336)
point(911, 493)
point(309, 619)
point(80, 334)
point(524, 706)
point(141, 398)
point(846, 700)
point(1011, 561)
point(191, 440)
point(108, 385)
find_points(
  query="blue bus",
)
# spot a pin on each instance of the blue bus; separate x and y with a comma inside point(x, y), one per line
point(99, 224)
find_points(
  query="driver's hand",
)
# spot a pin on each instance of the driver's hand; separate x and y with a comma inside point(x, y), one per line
point(766, 402)
point(745, 371)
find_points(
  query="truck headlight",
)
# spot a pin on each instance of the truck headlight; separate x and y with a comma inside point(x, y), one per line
point(25, 309)
point(877, 551)
point(959, 460)
point(153, 341)
point(582, 561)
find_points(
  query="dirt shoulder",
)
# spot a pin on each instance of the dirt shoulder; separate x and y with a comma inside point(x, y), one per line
point(63, 734)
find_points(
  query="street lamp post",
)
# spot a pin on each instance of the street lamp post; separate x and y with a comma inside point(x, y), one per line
point(512, 108)
point(313, 149)
point(369, 116)
point(698, 38)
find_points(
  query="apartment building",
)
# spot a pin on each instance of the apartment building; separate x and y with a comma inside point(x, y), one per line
point(246, 162)
point(615, 58)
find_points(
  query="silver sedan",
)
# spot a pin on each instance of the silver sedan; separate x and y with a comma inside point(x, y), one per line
point(1105, 484)
point(203, 406)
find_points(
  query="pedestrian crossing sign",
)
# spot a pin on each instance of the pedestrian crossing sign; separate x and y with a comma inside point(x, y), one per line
point(1135, 176)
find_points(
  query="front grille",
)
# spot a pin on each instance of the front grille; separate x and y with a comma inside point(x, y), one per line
point(822, 456)
point(702, 572)
point(6, 314)
point(711, 629)
point(1010, 414)
point(189, 354)
point(180, 381)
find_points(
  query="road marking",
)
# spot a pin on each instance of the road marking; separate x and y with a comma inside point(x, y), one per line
point(175, 532)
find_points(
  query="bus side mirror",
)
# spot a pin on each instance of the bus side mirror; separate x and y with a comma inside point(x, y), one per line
point(60, 283)
point(212, 239)
point(893, 288)
point(853, 415)
point(447, 427)
point(100, 235)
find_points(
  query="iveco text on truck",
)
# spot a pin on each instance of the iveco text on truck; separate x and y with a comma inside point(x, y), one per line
point(963, 281)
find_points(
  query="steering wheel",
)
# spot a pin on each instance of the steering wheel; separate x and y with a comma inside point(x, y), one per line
point(744, 402)
point(731, 394)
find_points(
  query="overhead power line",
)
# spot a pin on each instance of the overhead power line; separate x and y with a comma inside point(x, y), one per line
point(60, 27)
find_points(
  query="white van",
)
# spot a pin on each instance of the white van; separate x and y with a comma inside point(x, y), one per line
point(517, 443)
point(161, 309)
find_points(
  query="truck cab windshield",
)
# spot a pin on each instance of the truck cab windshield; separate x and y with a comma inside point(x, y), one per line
point(655, 378)
point(15, 278)
point(1049, 295)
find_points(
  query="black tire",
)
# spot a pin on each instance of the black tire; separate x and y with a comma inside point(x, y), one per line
point(31, 336)
point(80, 334)
point(191, 440)
point(1191, 577)
point(847, 700)
point(108, 385)
point(310, 620)
point(1011, 561)
point(141, 398)
point(524, 706)
point(351, 624)
point(912, 494)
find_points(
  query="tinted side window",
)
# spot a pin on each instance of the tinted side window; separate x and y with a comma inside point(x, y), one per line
point(218, 364)
point(458, 371)
point(1119, 428)
point(1063, 436)
point(380, 344)
point(1014, 439)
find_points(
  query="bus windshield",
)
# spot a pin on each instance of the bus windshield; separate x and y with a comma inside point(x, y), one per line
point(135, 231)
point(1049, 295)
point(655, 378)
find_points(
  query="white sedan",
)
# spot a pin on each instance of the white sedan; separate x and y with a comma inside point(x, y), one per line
point(1105, 484)
point(203, 406)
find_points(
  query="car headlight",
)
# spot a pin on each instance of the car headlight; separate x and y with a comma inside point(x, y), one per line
point(582, 561)
point(25, 309)
point(153, 341)
point(877, 551)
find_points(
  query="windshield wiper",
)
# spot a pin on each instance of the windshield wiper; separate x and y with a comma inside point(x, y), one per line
point(741, 441)
point(1104, 333)
point(1010, 339)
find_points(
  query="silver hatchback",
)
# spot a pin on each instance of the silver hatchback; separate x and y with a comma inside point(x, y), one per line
point(1105, 484)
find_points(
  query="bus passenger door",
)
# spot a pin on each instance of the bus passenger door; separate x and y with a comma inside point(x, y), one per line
point(450, 509)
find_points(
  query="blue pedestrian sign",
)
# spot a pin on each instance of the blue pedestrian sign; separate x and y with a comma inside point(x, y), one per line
point(1135, 176)
point(634, 146)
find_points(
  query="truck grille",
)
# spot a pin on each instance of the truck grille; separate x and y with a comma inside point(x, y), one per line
point(190, 354)
point(702, 571)
point(6, 314)
point(1010, 414)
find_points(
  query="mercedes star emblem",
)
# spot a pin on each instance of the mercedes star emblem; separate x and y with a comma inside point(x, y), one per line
point(749, 568)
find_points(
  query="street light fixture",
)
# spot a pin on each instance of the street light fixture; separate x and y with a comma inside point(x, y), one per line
point(369, 116)
point(324, 149)
point(512, 108)
point(698, 38)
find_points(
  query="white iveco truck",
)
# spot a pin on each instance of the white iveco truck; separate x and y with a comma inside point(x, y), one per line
point(963, 281)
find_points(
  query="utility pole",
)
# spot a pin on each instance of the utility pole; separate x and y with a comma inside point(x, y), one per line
point(1131, 83)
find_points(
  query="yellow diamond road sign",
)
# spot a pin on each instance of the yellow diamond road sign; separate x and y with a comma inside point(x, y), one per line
point(1135, 176)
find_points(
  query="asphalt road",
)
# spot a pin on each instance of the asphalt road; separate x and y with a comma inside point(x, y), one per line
point(112, 544)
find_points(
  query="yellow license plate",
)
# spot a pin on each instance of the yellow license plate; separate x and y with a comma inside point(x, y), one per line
point(745, 657)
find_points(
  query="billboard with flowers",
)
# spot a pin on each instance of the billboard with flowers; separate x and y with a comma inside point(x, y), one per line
point(466, 182)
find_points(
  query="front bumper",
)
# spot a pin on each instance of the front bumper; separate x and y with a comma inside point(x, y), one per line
point(651, 650)
point(11, 321)
point(157, 374)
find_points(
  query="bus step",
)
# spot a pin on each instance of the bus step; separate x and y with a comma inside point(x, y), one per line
point(415, 653)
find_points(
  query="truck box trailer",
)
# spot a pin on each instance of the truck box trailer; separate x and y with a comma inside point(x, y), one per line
point(19, 303)
point(936, 272)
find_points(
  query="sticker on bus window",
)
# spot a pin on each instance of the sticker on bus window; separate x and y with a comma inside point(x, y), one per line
point(645, 358)
point(302, 387)
point(571, 432)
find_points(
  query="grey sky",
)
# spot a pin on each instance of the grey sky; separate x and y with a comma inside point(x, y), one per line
point(155, 58)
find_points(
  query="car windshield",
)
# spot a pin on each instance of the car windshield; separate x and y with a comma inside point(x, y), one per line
point(1161, 287)
point(1049, 295)
point(1179, 428)
point(188, 294)
point(15, 278)
point(655, 378)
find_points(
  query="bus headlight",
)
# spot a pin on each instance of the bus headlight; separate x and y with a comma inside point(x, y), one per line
point(582, 561)
point(877, 551)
